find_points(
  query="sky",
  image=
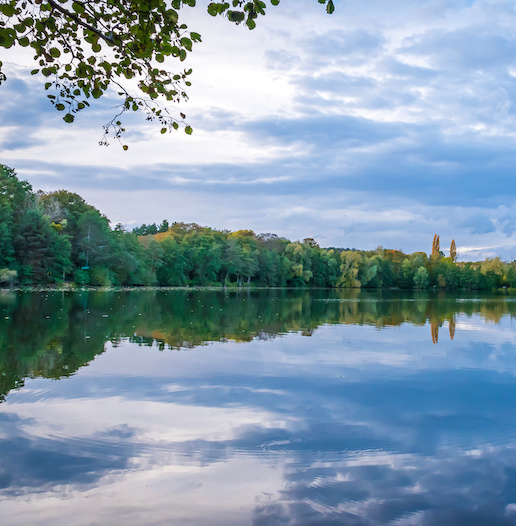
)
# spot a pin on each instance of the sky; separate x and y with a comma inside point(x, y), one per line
point(380, 125)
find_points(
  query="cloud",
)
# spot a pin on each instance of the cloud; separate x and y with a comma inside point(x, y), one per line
point(479, 224)
point(464, 50)
point(396, 106)
point(350, 46)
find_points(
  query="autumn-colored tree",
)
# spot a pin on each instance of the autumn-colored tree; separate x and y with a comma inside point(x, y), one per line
point(453, 251)
point(451, 326)
point(436, 249)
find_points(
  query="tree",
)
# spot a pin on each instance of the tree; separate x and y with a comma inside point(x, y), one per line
point(349, 268)
point(436, 250)
point(15, 194)
point(453, 251)
point(85, 47)
point(172, 270)
point(163, 227)
point(42, 254)
point(93, 239)
point(301, 263)
point(421, 278)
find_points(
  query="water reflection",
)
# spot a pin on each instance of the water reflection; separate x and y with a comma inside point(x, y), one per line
point(53, 334)
point(365, 422)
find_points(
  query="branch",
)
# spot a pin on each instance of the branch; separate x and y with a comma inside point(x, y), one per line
point(81, 22)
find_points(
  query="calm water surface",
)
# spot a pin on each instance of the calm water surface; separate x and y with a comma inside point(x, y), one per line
point(262, 408)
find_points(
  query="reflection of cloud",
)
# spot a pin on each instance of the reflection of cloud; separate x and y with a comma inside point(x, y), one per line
point(396, 489)
point(31, 464)
point(360, 431)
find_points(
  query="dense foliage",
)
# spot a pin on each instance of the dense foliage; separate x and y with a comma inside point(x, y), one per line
point(54, 237)
point(85, 47)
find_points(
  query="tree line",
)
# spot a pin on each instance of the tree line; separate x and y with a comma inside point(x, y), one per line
point(56, 237)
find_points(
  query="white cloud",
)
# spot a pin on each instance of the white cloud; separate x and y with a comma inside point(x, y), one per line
point(372, 113)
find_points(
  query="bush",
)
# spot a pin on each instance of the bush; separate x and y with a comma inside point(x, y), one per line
point(81, 277)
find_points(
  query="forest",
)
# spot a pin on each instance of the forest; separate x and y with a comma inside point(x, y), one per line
point(56, 238)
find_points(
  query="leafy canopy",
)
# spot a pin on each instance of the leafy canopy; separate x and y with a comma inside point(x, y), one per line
point(84, 47)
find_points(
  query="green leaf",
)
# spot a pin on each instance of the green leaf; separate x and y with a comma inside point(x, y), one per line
point(60, 107)
point(187, 43)
point(7, 37)
point(163, 130)
point(236, 16)
point(330, 7)
point(69, 118)
point(188, 130)
point(275, 2)
point(78, 8)
point(7, 10)
point(125, 147)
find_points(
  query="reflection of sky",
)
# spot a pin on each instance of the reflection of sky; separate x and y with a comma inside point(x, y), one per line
point(353, 425)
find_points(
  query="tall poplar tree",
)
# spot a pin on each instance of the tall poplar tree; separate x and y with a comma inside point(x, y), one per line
point(436, 249)
point(453, 250)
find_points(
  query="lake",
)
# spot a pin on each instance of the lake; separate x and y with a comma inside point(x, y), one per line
point(260, 407)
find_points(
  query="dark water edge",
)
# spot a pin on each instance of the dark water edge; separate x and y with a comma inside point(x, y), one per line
point(260, 407)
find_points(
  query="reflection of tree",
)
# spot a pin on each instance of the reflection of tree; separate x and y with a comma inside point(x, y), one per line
point(68, 329)
point(435, 331)
point(451, 326)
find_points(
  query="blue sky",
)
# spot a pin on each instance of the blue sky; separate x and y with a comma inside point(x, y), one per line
point(381, 124)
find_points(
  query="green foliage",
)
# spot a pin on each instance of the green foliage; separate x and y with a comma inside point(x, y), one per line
point(39, 250)
point(81, 277)
point(56, 236)
point(7, 276)
point(100, 276)
point(84, 48)
point(422, 278)
point(350, 268)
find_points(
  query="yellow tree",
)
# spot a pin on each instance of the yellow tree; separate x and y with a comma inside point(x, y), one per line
point(453, 250)
point(436, 249)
